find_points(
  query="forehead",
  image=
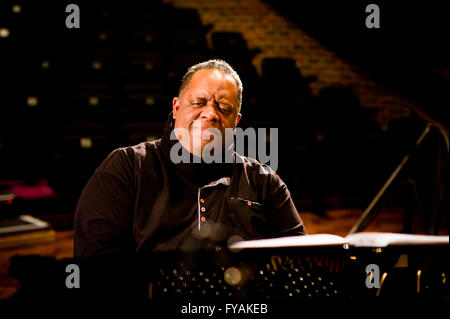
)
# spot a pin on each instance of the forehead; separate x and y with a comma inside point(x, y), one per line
point(212, 82)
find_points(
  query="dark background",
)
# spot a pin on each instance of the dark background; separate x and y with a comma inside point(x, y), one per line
point(403, 54)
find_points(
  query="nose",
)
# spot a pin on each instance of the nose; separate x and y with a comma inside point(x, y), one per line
point(209, 111)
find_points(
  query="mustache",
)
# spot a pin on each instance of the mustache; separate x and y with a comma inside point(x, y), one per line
point(204, 126)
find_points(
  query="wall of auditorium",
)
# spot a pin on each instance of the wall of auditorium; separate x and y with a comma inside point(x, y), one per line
point(264, 28)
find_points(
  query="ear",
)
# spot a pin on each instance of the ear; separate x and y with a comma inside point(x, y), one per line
point(175, 106)
point(239, 115)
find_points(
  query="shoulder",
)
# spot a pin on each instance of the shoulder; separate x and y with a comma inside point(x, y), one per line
point(258, 173)
point(129, 157)
point(141, 149)
point(252, 165)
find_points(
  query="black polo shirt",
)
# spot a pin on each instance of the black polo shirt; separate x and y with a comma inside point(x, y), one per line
point(138, 200)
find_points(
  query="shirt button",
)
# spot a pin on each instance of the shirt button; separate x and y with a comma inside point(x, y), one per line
point(202, 200)
point(203, 218)
point(203, 209)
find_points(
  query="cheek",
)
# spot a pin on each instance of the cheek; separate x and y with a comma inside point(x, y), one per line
point(187, 117)
point(230, 122)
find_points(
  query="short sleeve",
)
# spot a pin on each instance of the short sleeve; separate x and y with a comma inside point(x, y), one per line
point(282, 216)
point(104, 213)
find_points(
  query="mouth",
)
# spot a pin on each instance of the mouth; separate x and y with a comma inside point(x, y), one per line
point(205, 130)
point(210, 132)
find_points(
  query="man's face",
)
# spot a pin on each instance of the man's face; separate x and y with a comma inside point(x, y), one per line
point(211, 99)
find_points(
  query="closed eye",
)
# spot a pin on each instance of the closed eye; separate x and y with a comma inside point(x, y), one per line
point(224, 109)
point(198, 103)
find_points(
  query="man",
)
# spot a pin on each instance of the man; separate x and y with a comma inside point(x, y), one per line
point(141, 200)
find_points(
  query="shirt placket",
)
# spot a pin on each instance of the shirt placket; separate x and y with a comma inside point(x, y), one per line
point(201, 199)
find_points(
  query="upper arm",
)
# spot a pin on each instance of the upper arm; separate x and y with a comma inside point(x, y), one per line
point(282, 215)
point(104, 213)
